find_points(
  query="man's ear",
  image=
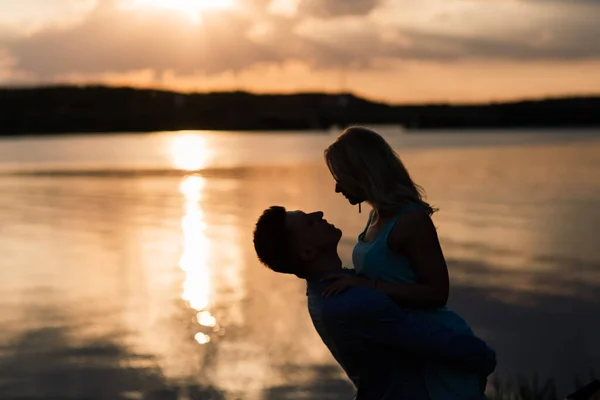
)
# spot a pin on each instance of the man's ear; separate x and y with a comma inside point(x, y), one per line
point(307, 253)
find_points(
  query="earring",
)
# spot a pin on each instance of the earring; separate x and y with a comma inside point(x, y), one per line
point(359, 211)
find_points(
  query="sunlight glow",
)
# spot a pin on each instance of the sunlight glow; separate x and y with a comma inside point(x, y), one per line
point(189, 151)
point(193, 9)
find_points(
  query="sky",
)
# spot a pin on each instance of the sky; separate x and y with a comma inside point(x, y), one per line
point(397, 51)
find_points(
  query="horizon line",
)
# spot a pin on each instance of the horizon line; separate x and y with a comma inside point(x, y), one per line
point(58, 85)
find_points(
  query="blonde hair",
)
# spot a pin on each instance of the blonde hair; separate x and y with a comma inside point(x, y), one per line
point(362, 158)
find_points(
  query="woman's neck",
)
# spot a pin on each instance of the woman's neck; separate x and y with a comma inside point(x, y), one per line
point(381, 215)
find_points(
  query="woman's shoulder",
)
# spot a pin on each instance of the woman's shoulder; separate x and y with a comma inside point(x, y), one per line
point(413, 220)
point(413, 207)
point(412, 215)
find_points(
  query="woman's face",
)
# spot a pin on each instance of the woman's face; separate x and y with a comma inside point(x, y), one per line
point(344, 183)
point(353, 194)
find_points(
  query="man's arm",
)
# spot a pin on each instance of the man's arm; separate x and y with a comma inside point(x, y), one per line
point(372, 316)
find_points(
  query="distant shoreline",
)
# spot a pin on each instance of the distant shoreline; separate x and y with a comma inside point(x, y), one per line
point(83, 110)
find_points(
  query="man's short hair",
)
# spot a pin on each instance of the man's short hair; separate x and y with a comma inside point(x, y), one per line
point(272, 241)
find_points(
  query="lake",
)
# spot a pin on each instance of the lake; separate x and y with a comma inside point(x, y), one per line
point(125, 275)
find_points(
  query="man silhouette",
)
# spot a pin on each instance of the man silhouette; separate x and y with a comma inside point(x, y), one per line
point(379, 345)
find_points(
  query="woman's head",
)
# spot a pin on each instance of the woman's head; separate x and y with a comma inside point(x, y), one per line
point(366, 168)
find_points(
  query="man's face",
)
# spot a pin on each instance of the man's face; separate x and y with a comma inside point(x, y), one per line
point(311, 234)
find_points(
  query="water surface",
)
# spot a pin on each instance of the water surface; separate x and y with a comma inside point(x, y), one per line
point(123, 274)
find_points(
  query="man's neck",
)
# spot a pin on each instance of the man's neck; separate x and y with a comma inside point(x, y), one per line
point(322, 265)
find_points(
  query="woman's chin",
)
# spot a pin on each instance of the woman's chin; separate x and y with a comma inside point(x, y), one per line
point(353, 200)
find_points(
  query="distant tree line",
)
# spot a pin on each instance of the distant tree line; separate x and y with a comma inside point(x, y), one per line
point(70, 109)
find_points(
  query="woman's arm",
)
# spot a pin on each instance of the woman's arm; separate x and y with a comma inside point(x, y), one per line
point(415, 237)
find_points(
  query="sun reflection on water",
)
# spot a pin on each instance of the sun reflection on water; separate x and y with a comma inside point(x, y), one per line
point(202, 338)
point(189, 151)
point(195, 258)
point(206, 319)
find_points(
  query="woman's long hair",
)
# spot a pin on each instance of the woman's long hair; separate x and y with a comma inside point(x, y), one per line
point(363, 159)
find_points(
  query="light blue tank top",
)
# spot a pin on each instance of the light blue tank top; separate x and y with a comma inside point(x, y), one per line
point(375, 260)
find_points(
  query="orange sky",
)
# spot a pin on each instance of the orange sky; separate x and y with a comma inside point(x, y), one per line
point(400, 51)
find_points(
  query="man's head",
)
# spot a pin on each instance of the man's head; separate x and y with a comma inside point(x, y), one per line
point(290, 242)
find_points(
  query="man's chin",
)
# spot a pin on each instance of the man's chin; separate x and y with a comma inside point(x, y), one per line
point(339, 234)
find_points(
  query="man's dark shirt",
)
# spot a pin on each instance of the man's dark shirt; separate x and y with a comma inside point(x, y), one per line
point(380, 345)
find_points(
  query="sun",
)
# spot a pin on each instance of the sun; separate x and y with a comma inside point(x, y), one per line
point(191, 8)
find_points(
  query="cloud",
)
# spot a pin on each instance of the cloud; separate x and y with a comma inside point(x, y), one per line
point(114, 40)
point(28, 16)
point(550, 45)
point(324, 34)
point(336, 8)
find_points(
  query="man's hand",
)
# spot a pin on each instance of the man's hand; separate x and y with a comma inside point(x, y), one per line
point(341, 282)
